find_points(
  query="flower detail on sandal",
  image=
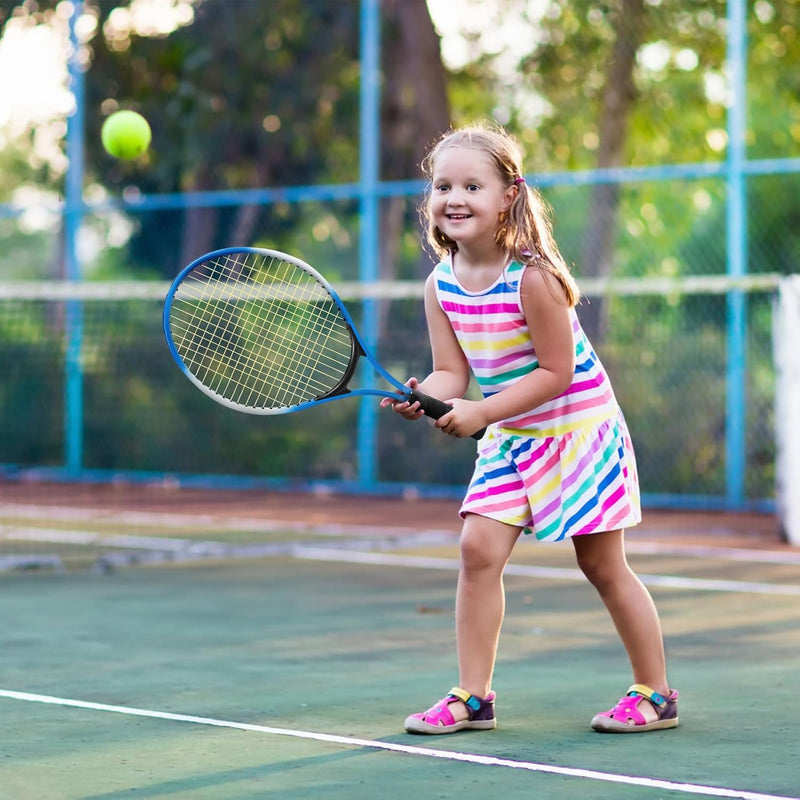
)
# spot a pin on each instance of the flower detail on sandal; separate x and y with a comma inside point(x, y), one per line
point(439, 718)
point(626, 717)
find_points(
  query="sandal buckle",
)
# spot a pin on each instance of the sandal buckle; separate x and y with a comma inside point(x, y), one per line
point(649, 694)
point(469, 700)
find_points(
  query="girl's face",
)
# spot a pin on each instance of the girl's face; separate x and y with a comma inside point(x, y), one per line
point(468, 196)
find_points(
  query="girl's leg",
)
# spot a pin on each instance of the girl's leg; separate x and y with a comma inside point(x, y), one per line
point(601, 557)
point(486, 546)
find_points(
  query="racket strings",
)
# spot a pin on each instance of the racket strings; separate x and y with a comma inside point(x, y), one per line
point(260, 332)
point(203, 329)
point(317, 356)
point(324, 349)
point(243, 385)
point(250, 371)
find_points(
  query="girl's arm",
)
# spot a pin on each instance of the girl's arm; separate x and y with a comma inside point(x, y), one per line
point(450, 376)
point(547, 315)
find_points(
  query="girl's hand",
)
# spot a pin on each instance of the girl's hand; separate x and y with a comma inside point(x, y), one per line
point(406, 410)
point(466, 418)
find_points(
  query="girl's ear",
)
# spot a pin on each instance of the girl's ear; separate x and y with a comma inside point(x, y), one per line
point(509, 197)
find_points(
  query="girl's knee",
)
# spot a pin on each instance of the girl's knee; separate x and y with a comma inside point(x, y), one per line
point(612, 578)
point(485, 545)
point(476, 556)
point(592, 568)
point(601, 557)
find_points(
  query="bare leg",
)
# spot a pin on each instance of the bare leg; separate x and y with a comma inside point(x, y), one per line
point(486, 546)
point(601, 557)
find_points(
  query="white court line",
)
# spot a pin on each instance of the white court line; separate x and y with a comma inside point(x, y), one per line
point(171, 519)
point(472, 758)
point(390, 535)
point(749, 555)
point(392, 538)
point(555, 573)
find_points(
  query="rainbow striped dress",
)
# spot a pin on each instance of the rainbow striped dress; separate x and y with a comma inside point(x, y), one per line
point(564, 468)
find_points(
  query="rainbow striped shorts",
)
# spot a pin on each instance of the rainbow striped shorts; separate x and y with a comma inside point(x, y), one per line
point(555, 487)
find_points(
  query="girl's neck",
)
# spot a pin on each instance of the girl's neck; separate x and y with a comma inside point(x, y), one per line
point(476, 268)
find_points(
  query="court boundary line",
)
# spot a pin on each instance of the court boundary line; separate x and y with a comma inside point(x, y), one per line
point(312, 553)
point(136, 549)
point(376, 744)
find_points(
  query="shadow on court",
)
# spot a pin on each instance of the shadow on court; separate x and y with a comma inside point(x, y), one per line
point(309, 647)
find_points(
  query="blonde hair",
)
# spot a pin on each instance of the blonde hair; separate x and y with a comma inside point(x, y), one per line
point(525, 231)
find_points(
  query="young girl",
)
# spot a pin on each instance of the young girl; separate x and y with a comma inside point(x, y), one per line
point(556, 459)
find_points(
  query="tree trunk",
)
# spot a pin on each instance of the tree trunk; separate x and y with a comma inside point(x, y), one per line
point(415, 111)
point(245, 226)
point(199, 222)
point(618, 99)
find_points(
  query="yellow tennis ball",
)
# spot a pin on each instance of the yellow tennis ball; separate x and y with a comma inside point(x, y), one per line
point(126, 134)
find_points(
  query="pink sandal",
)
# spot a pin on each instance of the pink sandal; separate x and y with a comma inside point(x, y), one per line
point(439, 719)
point(625, 717)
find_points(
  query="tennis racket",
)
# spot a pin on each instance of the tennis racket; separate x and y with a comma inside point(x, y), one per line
point(264, 333)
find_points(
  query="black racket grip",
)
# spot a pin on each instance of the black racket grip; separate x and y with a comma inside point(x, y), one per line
point(434, 408)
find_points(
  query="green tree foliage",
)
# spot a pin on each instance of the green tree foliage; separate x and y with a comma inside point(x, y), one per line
point(264, 96)
point(252, 94)
point(678, 92)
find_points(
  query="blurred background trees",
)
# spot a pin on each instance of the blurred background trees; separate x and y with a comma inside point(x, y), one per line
point(252, 96)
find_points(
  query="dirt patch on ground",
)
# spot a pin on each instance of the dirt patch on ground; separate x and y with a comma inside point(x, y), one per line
point(702, 527)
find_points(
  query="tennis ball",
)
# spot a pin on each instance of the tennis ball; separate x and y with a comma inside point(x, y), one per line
point(126, 134)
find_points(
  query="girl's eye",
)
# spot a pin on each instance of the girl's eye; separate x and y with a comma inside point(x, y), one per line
point(472, 187)
point(442, 187)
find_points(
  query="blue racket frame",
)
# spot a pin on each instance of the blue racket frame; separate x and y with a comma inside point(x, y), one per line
point(432, 407)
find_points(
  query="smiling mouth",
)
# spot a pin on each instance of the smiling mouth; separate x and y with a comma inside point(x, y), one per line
point(458, 216)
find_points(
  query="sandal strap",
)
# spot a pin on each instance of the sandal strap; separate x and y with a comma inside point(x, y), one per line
point(656, 698)
point(472, 702)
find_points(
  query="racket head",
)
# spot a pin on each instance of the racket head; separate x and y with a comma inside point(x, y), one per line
point(260, 331)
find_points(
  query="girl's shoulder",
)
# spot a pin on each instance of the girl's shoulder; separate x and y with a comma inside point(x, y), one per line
point(440, 277)
point(444, 267)
point(539, 284)
point(516, 268)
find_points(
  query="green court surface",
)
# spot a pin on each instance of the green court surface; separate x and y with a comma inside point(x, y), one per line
point(290, 677)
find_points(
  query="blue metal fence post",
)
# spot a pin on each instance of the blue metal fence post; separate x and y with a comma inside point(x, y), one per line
point(369, 132)
point(737, 245)
point(73, 212)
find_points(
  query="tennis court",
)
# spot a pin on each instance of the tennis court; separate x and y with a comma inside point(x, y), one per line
point(180, 621)
point(190, 672)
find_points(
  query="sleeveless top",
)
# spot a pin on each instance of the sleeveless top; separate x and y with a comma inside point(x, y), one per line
point(492, 331)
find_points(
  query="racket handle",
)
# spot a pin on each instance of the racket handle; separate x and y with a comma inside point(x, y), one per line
point(434, 408)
